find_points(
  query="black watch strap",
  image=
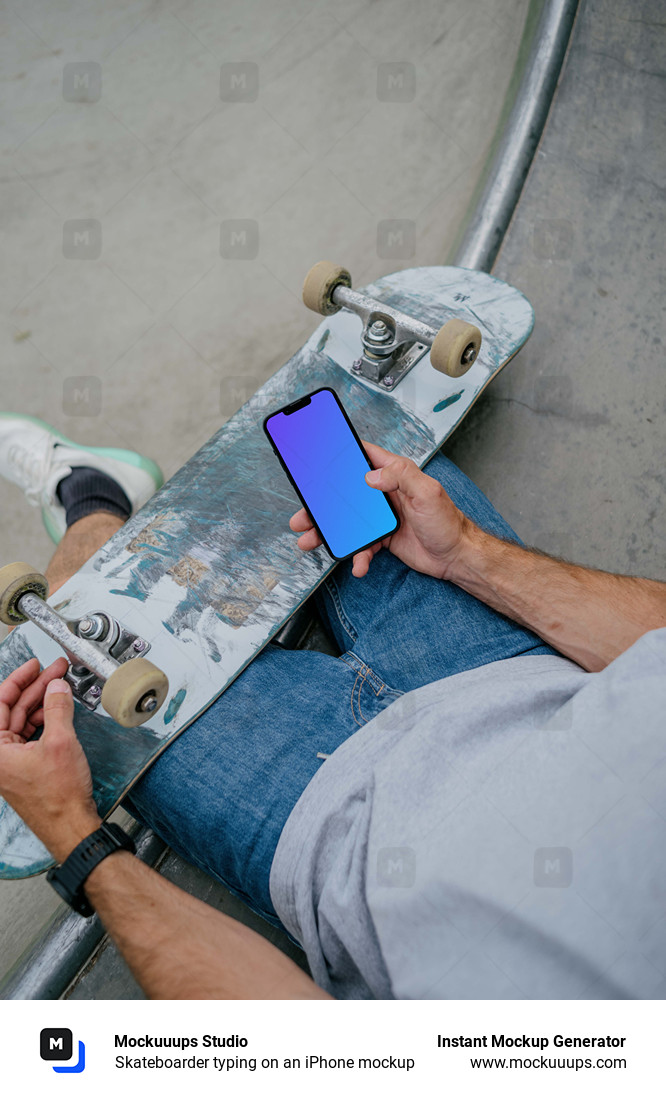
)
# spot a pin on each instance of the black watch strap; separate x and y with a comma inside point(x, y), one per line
point(69, 878)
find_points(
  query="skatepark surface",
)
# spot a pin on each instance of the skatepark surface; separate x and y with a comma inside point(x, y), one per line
point(154, 341)
point(161, 337)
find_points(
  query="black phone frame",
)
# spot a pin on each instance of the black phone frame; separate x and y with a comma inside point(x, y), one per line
point(293, 407)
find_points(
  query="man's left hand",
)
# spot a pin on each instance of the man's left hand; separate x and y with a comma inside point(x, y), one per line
point(48, 781)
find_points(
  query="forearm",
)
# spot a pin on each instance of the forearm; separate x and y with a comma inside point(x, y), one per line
point(587, 615)
point(176, 946)
point(179, 948)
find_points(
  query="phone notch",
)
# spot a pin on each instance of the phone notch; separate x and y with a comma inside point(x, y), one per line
point(296, 405)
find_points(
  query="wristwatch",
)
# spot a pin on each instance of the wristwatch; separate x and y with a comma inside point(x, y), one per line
point(69, 878)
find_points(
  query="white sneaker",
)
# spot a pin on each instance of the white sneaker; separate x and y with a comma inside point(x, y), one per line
point(36, 457)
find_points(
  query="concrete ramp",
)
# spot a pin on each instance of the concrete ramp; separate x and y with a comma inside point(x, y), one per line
point(570, 443)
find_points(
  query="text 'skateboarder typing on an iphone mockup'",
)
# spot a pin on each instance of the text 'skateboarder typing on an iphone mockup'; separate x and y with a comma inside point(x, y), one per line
point(325, 462)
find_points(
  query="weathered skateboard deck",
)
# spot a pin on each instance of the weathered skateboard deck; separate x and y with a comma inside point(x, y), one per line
point(208, 571)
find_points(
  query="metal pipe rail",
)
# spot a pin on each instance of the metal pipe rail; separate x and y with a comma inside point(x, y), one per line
point(518, 144)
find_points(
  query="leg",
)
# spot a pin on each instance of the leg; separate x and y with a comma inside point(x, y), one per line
point(80, 542)
point(413, 629)
point(222, 792)
point(85, 494)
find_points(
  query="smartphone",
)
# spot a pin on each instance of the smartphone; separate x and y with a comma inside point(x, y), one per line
point(324, 459)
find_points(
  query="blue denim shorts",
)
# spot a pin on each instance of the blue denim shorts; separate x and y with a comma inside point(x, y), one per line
point(221, 794)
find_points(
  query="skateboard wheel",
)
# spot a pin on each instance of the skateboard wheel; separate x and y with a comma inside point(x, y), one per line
point(15, 580)
point(134, 692)
point(320, 282)
point(455, 347)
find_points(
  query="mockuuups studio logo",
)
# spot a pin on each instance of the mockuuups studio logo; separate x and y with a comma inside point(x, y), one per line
point(82, 82)
point(56, 1044)
point(239, 239)
point(82, 239)
point(396, 867)
point(553, 867)
point(396, 81)
point(82, 395)
point(237, 389)
point(396, 239)
point(239, 82)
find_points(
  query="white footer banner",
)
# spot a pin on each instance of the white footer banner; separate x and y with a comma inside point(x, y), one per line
point(322, 1049)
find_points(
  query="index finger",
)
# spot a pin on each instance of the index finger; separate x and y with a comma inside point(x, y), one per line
point(300, 521)
point(11, 688)
point(32, 696)
point(18, 681)
point(378, 455)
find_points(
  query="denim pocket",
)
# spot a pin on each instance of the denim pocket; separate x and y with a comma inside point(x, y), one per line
point(369, 694)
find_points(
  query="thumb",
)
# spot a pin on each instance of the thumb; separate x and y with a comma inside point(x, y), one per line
point(58, 708)
point(402, 474)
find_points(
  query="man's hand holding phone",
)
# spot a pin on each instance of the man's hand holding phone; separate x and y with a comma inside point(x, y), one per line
point(432, 530)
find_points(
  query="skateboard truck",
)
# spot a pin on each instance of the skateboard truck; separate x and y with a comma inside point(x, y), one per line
point(107, 665)
point(392, 342)
point(112, 638)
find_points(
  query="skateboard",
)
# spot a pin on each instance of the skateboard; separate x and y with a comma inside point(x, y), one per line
point(207, 572)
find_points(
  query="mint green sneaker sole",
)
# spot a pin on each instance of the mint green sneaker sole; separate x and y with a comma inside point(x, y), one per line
point(130, 457)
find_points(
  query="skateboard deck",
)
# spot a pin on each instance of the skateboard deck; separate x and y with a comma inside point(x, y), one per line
point(208, 570)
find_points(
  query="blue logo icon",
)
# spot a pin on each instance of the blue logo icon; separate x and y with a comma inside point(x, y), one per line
point(56, 1044)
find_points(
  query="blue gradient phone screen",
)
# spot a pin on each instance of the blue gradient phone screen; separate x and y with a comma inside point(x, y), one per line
point(329, 468)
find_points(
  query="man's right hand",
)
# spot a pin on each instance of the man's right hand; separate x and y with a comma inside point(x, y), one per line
point(432, 530)
point(48, 781)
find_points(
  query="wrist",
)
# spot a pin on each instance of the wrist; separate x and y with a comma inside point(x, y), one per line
point(491, 569)
point(465, 552)
point(64, 835)
point(70, 878)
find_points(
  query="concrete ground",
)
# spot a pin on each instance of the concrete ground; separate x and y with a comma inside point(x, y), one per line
point(170, 172)
point(569, 442)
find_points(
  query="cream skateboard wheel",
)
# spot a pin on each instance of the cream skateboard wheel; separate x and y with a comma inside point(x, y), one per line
point(134, 692)
point(455, 347)
point(320, 282)
point(15, 580)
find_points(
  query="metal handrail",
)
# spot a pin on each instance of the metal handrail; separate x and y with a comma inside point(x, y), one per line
point(517, 146)
point(48, 967)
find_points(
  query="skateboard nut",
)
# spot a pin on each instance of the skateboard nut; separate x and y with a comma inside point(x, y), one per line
point(138, 645)
point(469, 354)
point(388, 380)
point(95, 690)
point(379, 333)
point(148, 703)
point(356, 365)
point(95, 627)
